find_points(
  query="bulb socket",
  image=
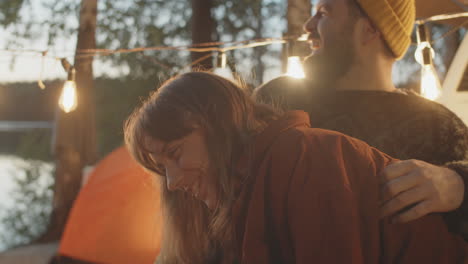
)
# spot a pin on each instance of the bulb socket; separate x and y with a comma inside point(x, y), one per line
point(221, 60)
point(65, 64)
point(71, 74)
point(422, 34)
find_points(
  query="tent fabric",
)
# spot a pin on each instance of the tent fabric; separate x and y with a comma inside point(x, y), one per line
point(116, 216)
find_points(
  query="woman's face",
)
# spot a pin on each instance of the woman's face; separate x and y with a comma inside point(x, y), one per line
point(186, 165)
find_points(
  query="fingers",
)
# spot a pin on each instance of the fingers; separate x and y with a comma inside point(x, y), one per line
point(403, 200)
point(419, 210)
point(397, 169)
point(412, 189)
point(398, 185)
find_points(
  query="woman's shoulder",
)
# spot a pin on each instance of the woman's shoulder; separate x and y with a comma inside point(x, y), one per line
point(305, 136)
point(317, 142)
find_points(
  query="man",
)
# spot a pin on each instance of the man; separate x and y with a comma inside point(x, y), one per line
point(349, 89)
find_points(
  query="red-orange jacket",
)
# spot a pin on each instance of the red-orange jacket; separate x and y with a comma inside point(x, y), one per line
point(313, 197)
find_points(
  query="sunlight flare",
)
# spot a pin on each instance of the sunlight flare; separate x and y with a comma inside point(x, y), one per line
point(295, 68)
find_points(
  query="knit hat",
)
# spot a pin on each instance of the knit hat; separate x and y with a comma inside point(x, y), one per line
point(395, 21)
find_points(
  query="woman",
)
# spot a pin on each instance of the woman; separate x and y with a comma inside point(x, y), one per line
point(244, 183)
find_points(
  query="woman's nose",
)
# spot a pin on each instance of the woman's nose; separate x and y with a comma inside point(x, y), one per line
point(174, 179)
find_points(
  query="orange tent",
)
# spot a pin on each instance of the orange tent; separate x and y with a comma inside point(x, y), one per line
point(116, 216)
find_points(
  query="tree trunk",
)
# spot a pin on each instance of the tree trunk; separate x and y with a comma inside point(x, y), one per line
point(297, 14)
point(202, 31)
point(259, 67)
point(75, 136)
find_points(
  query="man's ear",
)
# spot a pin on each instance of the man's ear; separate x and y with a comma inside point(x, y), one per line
point(369, 32)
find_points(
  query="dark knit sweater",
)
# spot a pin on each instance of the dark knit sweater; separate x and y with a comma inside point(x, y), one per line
point(401, 124)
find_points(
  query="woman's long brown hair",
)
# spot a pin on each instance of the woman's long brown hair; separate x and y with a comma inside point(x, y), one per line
point(192, 233)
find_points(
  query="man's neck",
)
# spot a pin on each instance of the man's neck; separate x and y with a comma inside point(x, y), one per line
point(370, 77)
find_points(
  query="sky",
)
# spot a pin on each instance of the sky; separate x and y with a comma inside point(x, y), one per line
point(28, 66)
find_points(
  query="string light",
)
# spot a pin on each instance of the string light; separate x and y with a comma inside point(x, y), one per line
point(222, 60)
point(40, 83)
point(294, 66)
point(221, 69)
point(430, 84)
point(68, 98)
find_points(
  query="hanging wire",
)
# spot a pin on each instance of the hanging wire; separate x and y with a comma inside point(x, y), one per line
point(201, 47)
point(442, 17)
point(196, 61)
point(40, 83)
point(256, 43)
point(210, 46)
point(448, 33)
point(461, 5)
point(219, 47)
point(451, 31)
point(35, 53)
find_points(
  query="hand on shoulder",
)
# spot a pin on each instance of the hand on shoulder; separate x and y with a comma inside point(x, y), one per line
point(413, 188)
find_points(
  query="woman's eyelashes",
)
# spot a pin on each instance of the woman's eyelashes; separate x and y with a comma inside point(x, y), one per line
point(173, 152)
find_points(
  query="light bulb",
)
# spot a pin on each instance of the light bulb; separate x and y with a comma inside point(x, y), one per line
point(68, 98)
point(222, 60)
point(295, 68)
point(430, 85)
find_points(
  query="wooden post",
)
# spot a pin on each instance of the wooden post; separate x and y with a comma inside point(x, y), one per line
point(259, 68)
point(74, 143)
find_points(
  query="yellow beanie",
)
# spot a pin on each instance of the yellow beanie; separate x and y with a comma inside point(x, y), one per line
point(395, 21)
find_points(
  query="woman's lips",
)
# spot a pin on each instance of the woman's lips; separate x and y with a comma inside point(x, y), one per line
point(195, 191)
point(202, 196)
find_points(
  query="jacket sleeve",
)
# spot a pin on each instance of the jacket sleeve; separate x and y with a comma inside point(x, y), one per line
point(327, 198)
point(461, 167)
point(454, 145)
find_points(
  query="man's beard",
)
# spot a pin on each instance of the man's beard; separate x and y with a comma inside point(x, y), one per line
point(326, 68)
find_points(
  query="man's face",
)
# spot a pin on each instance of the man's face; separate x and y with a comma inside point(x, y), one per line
point(331, 33)
point(186, 165)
